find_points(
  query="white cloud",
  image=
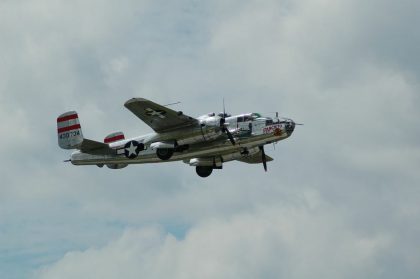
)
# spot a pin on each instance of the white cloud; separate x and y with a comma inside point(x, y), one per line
point(269, 242)
point(344, 68)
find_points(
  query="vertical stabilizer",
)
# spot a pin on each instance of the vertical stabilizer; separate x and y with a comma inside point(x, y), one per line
point(114, 137)
point(69, 131)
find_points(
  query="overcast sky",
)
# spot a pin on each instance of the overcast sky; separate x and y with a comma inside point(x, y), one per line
point(340, 200)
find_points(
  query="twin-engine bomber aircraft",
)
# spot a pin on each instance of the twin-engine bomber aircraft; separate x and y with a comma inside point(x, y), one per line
point(205, 142)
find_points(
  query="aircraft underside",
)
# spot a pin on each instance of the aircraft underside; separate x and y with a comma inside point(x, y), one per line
point(205, 157)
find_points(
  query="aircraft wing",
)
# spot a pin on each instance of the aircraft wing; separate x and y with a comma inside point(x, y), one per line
point(159, 118)
point(255, 159)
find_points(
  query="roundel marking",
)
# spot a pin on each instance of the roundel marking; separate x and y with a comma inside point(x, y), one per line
point(132, 149)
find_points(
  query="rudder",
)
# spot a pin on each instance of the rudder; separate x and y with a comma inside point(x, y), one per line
point(69, 130)
point(114, 137)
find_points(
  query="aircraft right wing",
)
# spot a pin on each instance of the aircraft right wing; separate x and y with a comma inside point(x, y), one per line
point(159, 118)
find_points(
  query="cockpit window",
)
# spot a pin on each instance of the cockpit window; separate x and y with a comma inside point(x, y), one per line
point(240, 119)
point(269, 121)
point(247, 118)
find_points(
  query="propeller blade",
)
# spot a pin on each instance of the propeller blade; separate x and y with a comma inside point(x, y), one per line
point(264, 158)
point(229, 134)
point(223, 127)
point(224, 110)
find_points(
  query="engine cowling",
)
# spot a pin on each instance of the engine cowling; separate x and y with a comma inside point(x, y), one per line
point(165, 144)
point(206, 162)
point(116, 166)
point(211, 121)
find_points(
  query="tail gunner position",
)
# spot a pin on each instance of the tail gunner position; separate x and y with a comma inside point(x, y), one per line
point(205, 142)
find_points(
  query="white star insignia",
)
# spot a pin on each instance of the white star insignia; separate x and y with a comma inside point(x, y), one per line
point(152, 112)
point(132, 149)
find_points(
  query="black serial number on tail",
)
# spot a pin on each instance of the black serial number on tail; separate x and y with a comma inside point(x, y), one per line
point(70, 134)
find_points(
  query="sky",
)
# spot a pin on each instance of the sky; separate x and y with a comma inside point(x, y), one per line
point(340, 200)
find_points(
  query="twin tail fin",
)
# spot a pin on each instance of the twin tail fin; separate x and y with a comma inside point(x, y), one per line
point(70, 136)
point(69, 131)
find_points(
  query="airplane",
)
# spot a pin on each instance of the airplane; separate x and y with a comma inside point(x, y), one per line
point(205, 142)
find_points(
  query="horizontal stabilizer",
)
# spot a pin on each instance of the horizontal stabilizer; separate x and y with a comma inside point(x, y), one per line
point(96, 148)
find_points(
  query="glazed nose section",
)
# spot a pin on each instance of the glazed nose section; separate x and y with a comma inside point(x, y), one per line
point(290, 126)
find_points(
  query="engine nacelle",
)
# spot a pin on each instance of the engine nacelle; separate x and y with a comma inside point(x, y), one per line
point(239, 155)
point(215, 162)
point(209, 130)
point(211, 121)
point(165, 144)
point(116, 166)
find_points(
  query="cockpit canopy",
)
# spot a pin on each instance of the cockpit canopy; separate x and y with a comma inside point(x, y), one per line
point(248, 117)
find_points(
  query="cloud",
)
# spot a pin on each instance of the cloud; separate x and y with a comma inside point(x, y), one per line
point(269, 242)
point(347, 179)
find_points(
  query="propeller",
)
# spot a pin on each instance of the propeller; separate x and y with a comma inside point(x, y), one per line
point(264, 158)
point(223, 126)
point(229, 134)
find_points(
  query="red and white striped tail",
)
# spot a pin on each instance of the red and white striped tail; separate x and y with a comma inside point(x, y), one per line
point(69, 131)
point(114, 137)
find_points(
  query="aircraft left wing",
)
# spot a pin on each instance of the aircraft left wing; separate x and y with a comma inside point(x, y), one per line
point(158, 117)
point(255, 159)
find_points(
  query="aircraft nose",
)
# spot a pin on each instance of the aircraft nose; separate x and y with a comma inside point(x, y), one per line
point(290, 126)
